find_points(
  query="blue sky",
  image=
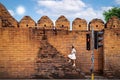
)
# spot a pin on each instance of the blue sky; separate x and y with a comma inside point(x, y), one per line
point(85, 9)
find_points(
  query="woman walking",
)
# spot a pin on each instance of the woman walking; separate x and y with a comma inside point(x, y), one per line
point(72, 56)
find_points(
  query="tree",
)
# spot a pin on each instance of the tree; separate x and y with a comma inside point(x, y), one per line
point(115, 11)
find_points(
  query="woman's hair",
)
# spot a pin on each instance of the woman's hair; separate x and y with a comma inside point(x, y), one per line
point(72, 46)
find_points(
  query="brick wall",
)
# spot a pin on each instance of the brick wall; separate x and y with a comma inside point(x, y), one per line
point(62, 23)
point(97, 24)
point(112, 51)
point(113, 22)
point(17, 53)
point(19, 47)
point(45, 22)
point(19, 50)
point(5, 15)
point(0, 22)
point(63, 42)
point(26, 21)
point(79, 24)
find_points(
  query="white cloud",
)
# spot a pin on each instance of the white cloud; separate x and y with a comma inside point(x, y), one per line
point(55, 8)
point(20, 10)
point(117, 1)
point(106, 8)
point(11, 12)
point(63, 5)
point(70, 8)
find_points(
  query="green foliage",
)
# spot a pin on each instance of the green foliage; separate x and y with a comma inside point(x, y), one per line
point(115, 11)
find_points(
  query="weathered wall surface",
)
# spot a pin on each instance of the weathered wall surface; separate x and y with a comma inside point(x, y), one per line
point(7, 19)
point(63, 42)
point(62, 23)
point(17, 53)
point(19, 50)
point(79, 24)
point(0, 22)
point(26, 21)
point(113, 22)
point(112, 51)
point(45, 22)
point(97, 24)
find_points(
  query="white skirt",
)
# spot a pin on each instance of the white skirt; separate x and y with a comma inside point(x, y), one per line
point(72, 56)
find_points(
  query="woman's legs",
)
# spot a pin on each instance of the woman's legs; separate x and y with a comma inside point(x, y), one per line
point(74, 62)
point(69, 60)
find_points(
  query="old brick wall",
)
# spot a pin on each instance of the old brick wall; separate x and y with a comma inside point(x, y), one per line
point(78, 39)
point(79, 24)
point(62, 23)
point(19, 50)
point(0, 22)
point(7, 18)
point(26, 21)
point(112, 51)
point(19, 47)
point(63, 42)
point(18, 53)
point(45, 22)
point(97, 24)
point(113, 22)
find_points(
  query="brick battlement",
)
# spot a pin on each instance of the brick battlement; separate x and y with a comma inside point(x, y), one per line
point(6, 20)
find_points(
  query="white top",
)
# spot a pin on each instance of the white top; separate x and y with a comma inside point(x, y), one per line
point(73, 51)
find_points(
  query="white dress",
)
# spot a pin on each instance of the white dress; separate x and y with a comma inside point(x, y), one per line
point(73, 54)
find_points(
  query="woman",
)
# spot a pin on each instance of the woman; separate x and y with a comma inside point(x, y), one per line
point(72, 55)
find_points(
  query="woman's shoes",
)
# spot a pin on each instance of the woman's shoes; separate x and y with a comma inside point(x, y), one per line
point(69, 61)
point(73, 65)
